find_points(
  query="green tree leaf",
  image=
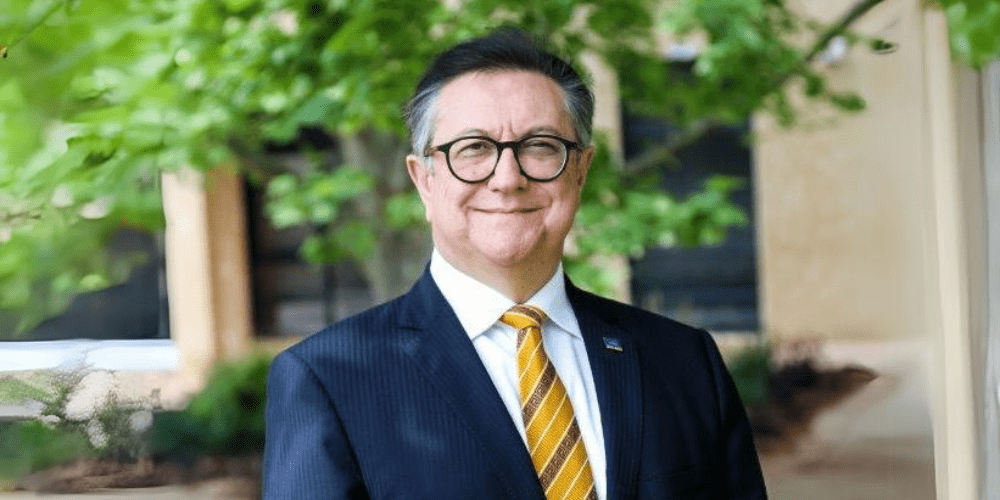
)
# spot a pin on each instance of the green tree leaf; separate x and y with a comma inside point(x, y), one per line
point(99, 97)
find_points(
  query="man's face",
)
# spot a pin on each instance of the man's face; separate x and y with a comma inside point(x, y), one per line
point(506, 220)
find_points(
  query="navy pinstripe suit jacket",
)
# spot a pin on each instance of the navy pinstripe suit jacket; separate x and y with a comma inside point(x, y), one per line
point(395, 404)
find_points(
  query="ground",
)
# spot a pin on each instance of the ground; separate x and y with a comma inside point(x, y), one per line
point(875, 469)
point(874, 444)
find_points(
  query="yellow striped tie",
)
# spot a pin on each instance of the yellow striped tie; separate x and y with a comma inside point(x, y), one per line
point(554, 439)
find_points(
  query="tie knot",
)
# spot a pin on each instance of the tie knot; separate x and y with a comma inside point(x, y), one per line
point(522, 316)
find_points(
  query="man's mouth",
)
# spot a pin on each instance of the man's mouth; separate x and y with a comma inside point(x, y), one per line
point(506, 210)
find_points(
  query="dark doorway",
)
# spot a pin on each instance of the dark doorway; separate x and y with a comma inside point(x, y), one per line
point(291, 297)
point(711, 287)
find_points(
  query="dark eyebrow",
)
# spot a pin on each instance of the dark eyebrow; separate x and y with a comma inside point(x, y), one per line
point(477, 132)
point(544, 129)
point(472, 132)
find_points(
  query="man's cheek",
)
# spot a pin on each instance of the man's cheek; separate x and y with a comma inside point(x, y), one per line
point(450, 217)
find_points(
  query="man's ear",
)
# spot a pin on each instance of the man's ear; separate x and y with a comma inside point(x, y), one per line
point(421, 175)
point(586, 156)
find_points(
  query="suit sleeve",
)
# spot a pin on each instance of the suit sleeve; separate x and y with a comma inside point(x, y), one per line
point(742, 474)
point(306, 454)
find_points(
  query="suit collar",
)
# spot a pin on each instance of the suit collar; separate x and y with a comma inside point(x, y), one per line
point(614, 361)
point(445, 354)
point(476, 305)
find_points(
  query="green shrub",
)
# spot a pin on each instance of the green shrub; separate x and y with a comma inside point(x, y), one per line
point(31, 446)
point(751, 373)
point(16, 391)
point(226, 417)
point(122, 441)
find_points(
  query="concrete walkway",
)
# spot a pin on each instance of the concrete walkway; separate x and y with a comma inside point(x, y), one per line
point(875, 469)
point(876, 445)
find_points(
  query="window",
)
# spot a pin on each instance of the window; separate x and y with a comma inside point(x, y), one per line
point(711, 287)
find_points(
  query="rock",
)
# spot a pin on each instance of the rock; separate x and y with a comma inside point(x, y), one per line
point(95, 432)
point(92, 392)
point(141, 421)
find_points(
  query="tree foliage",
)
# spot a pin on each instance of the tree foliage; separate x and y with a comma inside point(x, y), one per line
point(98, 98)
point(975, 29)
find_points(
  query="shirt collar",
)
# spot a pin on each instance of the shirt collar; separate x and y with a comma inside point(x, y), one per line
point(479, 307)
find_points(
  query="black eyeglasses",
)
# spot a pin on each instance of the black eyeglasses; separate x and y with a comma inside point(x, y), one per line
point(540, 158)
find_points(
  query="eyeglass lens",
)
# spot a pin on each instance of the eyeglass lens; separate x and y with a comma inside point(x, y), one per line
point(473, 158)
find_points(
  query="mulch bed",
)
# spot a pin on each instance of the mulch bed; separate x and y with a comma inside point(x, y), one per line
point(798, 393)
point(88, 475)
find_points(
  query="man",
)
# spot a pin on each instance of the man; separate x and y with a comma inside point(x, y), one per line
point(495, 377)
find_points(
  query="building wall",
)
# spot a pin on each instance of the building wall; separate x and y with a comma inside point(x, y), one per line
point(840, 198)
point(990, 414)
point(207, 269)
point(874, 228)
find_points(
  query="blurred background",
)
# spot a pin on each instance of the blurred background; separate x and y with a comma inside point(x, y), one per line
point(189, 186)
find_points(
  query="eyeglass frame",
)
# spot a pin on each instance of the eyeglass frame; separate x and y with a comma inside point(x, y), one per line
point(444, 148)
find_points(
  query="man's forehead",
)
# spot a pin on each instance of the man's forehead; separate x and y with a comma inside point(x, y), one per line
point(491, 78)
point(470, 102)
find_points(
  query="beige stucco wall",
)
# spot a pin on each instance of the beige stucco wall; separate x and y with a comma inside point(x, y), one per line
point(873, 228)
point(207, 269)
point(841, 199)
point(990, 409)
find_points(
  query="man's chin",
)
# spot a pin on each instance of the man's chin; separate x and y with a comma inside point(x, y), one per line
point(512, 258)
point(506, 261)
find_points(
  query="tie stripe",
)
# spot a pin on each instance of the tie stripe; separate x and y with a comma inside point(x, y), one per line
point(554, 440)
point(560, 456)
point(530, 406)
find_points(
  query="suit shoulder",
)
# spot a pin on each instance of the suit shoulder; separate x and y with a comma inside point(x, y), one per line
point(625, 315)
point(650, 330)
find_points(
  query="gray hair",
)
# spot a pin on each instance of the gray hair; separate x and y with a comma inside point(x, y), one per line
point(504, 50)
point(422, 113)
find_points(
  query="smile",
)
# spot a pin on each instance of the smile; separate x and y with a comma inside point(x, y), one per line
point(507, 211)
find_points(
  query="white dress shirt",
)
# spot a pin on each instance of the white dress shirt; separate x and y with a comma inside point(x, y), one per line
point(479, 309)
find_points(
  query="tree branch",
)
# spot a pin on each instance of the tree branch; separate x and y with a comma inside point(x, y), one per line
point(845, 21)
point(19, 218)
point(38, 22)
point(668, 149)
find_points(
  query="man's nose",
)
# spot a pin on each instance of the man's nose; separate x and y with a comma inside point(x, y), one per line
point(507, 174)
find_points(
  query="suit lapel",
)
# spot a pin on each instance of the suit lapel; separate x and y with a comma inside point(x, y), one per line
point(618, 386)
point(442, 349)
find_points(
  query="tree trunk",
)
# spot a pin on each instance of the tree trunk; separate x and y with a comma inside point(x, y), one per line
point(400, 255)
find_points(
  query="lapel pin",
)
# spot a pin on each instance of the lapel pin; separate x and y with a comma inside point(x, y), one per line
point(612, 344)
